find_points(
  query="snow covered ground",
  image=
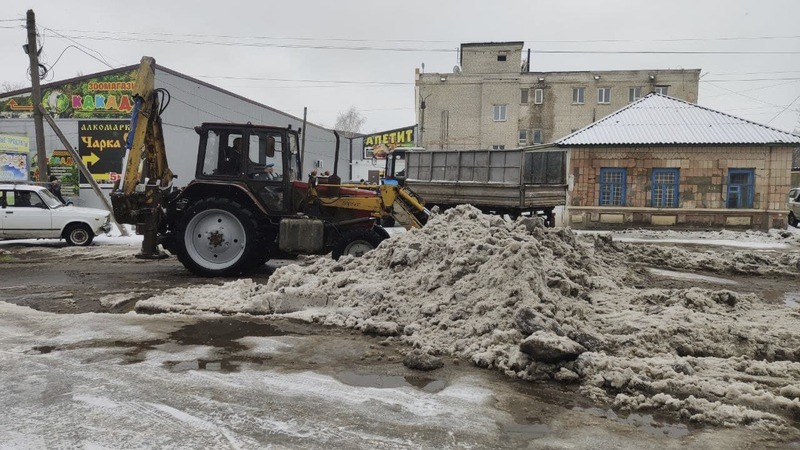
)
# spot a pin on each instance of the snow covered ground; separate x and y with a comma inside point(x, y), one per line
point(496, 293)
point(531, 303)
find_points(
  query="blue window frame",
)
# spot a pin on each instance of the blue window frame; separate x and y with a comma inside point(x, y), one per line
point(613, 183)
point(664, 192)
point(740, 188)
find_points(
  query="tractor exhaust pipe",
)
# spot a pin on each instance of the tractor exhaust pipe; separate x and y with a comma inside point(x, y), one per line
point(334, 179)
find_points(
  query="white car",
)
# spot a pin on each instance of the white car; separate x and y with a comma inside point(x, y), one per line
point(28, 211)
point(794, 207)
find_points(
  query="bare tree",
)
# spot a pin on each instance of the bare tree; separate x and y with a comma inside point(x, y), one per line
point(8, 86)
point(349, 122)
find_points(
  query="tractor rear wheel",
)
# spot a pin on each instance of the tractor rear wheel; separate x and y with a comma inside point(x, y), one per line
point(217, 237)
point(356, 243)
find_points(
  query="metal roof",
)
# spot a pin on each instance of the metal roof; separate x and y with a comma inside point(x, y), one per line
point(660, 120)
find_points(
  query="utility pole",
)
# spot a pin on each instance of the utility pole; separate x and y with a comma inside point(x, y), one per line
point(36, 96)
point(303, 143)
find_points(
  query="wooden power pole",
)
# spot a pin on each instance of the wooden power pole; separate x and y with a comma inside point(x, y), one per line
point(36, 97)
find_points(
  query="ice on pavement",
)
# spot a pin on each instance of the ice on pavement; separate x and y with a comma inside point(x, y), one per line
point(547, 304)
point(81, 394)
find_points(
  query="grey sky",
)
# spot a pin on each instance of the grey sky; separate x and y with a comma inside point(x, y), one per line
point(265, 36)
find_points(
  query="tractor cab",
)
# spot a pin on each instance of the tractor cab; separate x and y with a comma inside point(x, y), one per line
point(264, 159)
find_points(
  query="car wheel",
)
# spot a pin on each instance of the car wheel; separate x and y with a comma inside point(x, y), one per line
point(217, 237)
point(356, 243)
point(79, 234)
point(793, 220)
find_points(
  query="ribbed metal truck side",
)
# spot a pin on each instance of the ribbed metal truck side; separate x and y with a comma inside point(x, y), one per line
point(514, 182)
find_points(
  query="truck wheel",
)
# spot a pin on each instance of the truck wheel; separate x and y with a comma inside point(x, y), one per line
point(78, 234)
point(217, 238)
point(793, 220)
point(356, 243)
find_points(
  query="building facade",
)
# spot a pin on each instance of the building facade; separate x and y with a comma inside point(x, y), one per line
point(665, 162)
point(93, 112)
point(493, 100)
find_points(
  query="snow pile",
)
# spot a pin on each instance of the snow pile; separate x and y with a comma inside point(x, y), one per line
point(787, 236)
point(719, 261)
point(541, 303)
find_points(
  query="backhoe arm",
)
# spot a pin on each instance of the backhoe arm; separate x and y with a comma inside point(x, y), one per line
point(139, 199)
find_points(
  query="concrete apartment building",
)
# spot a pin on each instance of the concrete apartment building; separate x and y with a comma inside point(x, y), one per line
point(493, 100)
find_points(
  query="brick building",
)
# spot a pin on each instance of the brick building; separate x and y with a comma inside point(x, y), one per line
point(661, 161)
point(493, 100)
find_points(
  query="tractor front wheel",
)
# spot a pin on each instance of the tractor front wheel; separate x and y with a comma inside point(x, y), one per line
point(356, 243)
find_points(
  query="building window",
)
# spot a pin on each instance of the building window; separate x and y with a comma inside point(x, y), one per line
point(538, 96)
point(498, 147)
point(634, 93)
point(740, 188)
point(664, 192)
point(662, 90)
point(604, 95)
point(499, 113)
point(537, 136)
point(523, 97)
point(612, 186)
point(523, 137)
point(501, 56)
point(577, 95)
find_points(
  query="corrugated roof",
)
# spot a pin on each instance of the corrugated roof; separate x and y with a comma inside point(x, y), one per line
point(661, 120)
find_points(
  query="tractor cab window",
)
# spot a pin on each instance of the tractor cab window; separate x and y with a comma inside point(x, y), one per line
point(265, 157)
point(223, 153)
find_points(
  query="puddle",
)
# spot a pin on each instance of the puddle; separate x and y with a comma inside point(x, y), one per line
point(644, 422)
point(690, 276)
point(528, 431)
point(791, 299)
point(221, 365)
point(430, 385)
point(223, 333)
point(44, 349)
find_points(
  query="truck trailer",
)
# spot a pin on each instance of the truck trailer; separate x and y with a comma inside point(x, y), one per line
point(515, 182)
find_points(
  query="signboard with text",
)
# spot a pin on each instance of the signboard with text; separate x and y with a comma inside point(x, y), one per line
point(378, 145)
point(101, 146)
point(14, 157)
point(62, 166)
point(106, 96)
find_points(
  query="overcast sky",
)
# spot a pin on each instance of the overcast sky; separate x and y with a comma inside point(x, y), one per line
point(329, 55)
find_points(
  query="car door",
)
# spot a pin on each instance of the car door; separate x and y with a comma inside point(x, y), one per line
point(3, 202)
point(26, 218)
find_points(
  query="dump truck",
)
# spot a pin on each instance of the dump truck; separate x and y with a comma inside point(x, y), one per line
point(247, 199)
point(515, 182)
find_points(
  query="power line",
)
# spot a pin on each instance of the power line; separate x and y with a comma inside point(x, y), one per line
point(745, 96)
point(305, 38)
point(432, 50)
point(382, 83)
point(783, 110)
point(750, 79)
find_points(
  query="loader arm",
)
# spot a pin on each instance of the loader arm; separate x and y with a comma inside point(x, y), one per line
point(140, 197)
point(394, 201)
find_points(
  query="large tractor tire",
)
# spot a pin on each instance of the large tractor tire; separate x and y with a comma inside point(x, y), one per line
point(217, 237)
point(356, 243)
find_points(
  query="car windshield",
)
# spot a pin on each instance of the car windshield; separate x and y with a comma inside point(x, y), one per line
point(51, 200)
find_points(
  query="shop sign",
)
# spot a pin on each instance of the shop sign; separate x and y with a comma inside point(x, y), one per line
point(107, 96)
point(101, 146)
point(378, 145)
point(14, 157)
